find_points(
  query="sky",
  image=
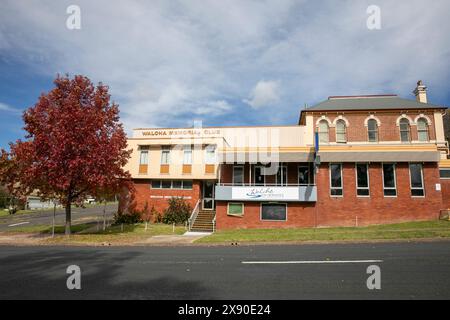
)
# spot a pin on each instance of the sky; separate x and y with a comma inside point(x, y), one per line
point(233, 62)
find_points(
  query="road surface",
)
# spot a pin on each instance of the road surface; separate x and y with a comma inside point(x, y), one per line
point(418, 270)
point(43, 217)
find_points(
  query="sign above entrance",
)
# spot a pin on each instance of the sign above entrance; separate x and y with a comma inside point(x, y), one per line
point(181, 133)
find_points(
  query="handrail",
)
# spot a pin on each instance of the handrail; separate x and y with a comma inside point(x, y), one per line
point(194, 214)
point(214, 224)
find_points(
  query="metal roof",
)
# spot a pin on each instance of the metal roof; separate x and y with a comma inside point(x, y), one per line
point(373, 102)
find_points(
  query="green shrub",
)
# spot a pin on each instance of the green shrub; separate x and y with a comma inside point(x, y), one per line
point(128, 217)
point(177, 212)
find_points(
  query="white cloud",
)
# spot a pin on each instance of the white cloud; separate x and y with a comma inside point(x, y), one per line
point(6, 108)
point(264, 94)
point(168, 62)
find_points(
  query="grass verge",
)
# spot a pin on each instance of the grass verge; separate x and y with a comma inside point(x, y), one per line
point(409, 230)
point(88, 233)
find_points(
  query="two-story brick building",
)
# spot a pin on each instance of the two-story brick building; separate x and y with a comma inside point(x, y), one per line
point(351, 160)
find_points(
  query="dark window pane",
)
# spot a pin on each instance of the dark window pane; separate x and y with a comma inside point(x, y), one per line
point(336, 192)
point(415, 170)
point(166, 184)
point(372, 125)
point(336, 179)
point(444, 173)
point(373, 136)
point(282, 176)
point(303, 175)
point(187, 184)
point(176, 184)
point(156, 184)
point(362, 177)
point(363, 192)
point(390, 192)
point(238, 175)
point(273, 211)
point(388, 176)
point(259, 177)
point(417, 192)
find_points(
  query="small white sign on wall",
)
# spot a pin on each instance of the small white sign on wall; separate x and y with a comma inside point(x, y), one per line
point(438, 187)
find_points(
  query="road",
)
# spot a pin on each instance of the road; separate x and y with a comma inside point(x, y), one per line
point(418, 270)
point(43, 217)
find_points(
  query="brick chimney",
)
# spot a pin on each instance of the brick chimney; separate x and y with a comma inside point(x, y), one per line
point(420, 92)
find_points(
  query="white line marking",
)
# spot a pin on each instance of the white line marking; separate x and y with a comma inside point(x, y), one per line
point(312, 262)
point(18, 224)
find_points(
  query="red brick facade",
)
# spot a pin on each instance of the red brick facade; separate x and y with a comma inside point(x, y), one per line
point(445, 183)
point(349, 210)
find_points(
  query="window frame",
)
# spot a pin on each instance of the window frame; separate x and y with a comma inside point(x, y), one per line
point(342, 180)
point(425, 130)
point(235, 214)
point(210, 154)
point(373, 130)
point(408, 131)
point(421, 177)
point(263, 175)
point(142, 152)
point(272, 203)
point(284, 169)
point(160, 182)
point(165, 150)
point(324, 134)
point(368, 180)
point(187, 150)
point(344, 132)
point(243, 174)
point(395, 180)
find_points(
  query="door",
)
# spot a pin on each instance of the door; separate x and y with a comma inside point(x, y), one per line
point(208, 195)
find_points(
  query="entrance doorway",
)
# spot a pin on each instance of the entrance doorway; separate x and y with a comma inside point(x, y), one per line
point(208, 195)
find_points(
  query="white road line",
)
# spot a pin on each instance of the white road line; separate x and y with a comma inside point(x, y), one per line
point(312, 262)
point(18, 224)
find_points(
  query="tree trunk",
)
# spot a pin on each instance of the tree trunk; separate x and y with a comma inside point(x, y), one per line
point(104, 216)
point(68, 217)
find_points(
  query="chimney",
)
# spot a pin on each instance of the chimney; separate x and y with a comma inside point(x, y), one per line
point(420, 92)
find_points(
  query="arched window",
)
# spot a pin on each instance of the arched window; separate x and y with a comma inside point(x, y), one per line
point(372, 130)
point(341, 131)
point(422, 129)
point(405, 131)
point(323, 131)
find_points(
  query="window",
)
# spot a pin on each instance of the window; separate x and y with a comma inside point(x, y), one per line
point(422, 129)
point(235, 209)
point(372, 130)
point(405, 135)
point(166, 184)
point(238, 175)
point(187, 184)
point(444, 173)
point(336, 188)
point(323, 131)
point(341, 131)
point(362, 180)
point(165, 155)
point(389, 184)
point(210, 157)
point(156, 184)
point(303, 175)
point(143, 159)
point(187, 155)
point(260, 178)
point(416, 177)
point(282, 176)
point(274, 211)
point(172, 184)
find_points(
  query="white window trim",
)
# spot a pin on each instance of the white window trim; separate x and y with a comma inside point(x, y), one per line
point(356, 179)
point(395, 180)
point(165, 150)
point(427, 129)
point(210, 149)
point(376, 130)
point(345, 131)
point(140, 157)
point(342, 181)
point(410, 180)
point(268, 220)
point(298, 175)
point(443, 169)
point(243, 173)
point(171, 184)
point(185, 151)
point(234, 214)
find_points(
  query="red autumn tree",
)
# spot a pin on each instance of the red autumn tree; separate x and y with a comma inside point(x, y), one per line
point(75, 146)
